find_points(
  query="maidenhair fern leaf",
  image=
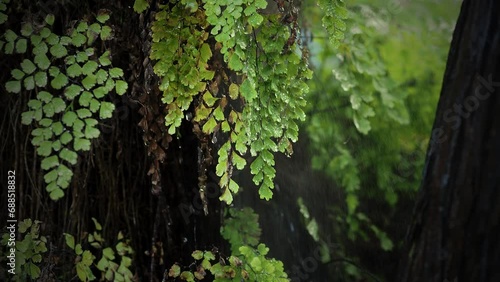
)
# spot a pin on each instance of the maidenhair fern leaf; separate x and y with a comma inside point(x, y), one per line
point(334, 19)
point(41, 79)
point(13, 86)
point(50, 162)
point(106, 110)
point(27, 66)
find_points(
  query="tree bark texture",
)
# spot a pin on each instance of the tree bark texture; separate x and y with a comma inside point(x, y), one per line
point(455, 233)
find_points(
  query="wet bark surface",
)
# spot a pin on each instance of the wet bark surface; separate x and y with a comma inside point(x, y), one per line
point(456, 227)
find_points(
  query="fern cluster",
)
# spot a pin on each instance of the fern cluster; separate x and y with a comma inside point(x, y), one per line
point(29, 250)
point(114, 263)
point(248, 261)
point(69, 82)
point(181, 56)
point(255, 105)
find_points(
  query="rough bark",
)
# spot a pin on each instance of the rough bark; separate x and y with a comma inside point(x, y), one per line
point(456, 226)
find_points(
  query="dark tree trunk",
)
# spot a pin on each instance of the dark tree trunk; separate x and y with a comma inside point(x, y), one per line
point(455, 234)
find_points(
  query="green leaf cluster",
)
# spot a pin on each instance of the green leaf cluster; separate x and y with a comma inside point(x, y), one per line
point(140, 6)
point(334, 19)
point(70, 82)
point(3, 14)
point(108, 264)
point(273, 92)
point(241, 228)
point(29, 250)
point(181, 56)
point(369, 123)
point(369, 98)
point(251, 265)
point(232, 22)
point(262, 105)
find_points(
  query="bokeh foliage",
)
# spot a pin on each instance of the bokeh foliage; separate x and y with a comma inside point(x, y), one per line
point(372, 102)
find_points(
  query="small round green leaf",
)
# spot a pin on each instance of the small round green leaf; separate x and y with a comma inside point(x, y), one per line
point(66, 137)
point(74, 70)
point(26, 29)
point(106, 110)
point(35, 39)
point(102, 16)
point(58, 51)
point(69, 156)
point(49, 19)
point(78, 127)
point(45, 149)
point(10, 35)
point(91, 132)
point(175, 270)
point(38, 114)
point(3, 18)
point(13, 86)
point(54, 71)
point(65, 40)
point(50, 162)
point(101, 76)
point(17, 74)
point(53, 39)
point(69, 118)
point(56, 194)
point(21, 45)
point(28, 66)
point(85, 98)
point(57, 128)
point(45, 32)
point(82, 26)
point(56, 145)
point(91, 122)
point(106, 32)
point(110, 83)
point(95, 27)
point(121, 87)
point(90, 51)
point(83, 113)
point(104, 59)
point(50, 176)
point(89, 81)
point(59, 81)
point(34, 104)
point(78, 39)
point(9, 48)
point(42, 61)
point(115, 72)
point(27, 117)
point(100, 92)
point(94, 105)
point(29, 83)
point(59, 105)
point(81, 144)
point(72, 91)
point(197, 254)
point(41, 79)
point(40, 48)
point(89, 67)
point(69, 60)
point(81, 57)
point(44, 96)
point(46, 122)
point(48, 109)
